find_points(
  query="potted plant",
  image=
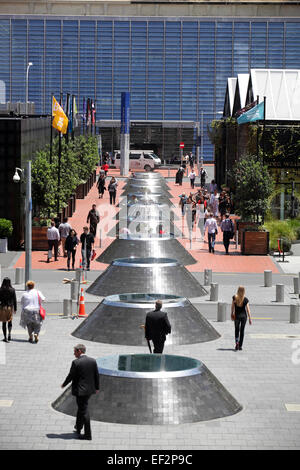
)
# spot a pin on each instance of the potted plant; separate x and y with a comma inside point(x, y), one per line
point(253, 187)
point(39, 234)
point(255, 241)
point(6, 230)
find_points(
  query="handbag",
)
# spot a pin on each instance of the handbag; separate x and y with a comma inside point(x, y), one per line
point(6, 313)
point(93, 255)
point(42, 310)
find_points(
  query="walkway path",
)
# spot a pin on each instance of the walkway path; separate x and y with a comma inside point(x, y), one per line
point(218, 262)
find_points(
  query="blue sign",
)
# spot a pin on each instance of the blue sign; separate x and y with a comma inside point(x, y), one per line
point(125, 112)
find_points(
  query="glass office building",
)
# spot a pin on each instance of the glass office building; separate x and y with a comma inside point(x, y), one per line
point(175, 68)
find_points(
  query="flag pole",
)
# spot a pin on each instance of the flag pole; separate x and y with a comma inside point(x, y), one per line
point(51, 130)
point(59, 162)
point(72, 134)
point(67, 114)
point(264, 130)
point(257, 134)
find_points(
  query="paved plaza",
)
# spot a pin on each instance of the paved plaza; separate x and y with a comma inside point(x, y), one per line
point(264, 378)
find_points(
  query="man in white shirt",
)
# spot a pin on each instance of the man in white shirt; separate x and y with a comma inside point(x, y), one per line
point(53, 240)
point(212, 229)
point(64, 230)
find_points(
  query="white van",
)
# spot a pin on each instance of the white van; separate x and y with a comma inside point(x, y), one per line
point(139, 160)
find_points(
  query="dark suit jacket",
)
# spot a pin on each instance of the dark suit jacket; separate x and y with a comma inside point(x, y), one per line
point(157, 325)
point(84, 376)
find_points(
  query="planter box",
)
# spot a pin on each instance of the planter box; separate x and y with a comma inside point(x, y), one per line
point(80, 191)
point(241, 225)
point(255, 243)
point(39, 238)
point(3, 245)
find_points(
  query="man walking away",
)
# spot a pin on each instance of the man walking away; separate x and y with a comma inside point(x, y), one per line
point(212, 229)
point(94, 218)
point(53, 240)
point(228, 230)
point(87, 244)
point(157, 326)
point(203, 176)
point(84, 376)
point(64, 230)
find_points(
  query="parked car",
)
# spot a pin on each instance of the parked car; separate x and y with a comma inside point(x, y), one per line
point(140, 160)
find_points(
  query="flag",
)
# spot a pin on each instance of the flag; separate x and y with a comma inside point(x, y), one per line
point(83, 111)
point(246, 108)
point(88, 113)
point(93, 113)
point(60, 120)
point(254, 114)
point(75, 112)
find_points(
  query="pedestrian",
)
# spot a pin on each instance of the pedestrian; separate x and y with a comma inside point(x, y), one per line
point(53, 241)
point(203, 176)
point(71, 244)
point(84, 376)
point(112, 189)
point(212, 186)
point(64, 230)
point(212, 229)
point(191, 160)
point(200, 217)
point(192, 177)
point(30, 315)
point(182, 203)
point(228, 231)
point(94, 218)
point(101, 185)
point(8, 306)
point(87, 245)
point(157, 326)
point(179, 176)
point(239, 312)
point(214, 203)
point(105, 167)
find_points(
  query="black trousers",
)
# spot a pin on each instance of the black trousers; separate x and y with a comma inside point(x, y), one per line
point(112, 197)
point(158, 346)
point(240, 323)
point(226, 239)
point(51, 244)
point(71, 253)
point(211, 242)
point(83, 417)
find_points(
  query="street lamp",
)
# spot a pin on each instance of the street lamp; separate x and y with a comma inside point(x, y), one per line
point(28, 217)
point(26, 98)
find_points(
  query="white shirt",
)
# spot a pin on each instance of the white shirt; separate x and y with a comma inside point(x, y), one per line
point(211, 225)
point(30, 299)
point(53, 233)
point(192, 175)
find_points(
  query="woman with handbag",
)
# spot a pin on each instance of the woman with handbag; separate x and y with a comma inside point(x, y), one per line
point(32, 314)
point(8, 306)
point(239, 312)
point(71, 243)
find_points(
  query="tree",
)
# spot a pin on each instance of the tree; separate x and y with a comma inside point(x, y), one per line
point(253, 187)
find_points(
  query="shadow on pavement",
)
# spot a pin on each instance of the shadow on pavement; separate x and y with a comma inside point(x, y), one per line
point(65, 436)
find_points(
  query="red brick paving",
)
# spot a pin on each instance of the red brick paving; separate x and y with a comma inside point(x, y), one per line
point(218, 262)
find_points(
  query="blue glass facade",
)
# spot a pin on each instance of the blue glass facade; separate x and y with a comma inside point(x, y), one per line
point(174, 68)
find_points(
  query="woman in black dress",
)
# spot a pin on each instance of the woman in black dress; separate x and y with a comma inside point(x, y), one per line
point(71, 244)
point(101, 185)
point(8, 305)
point(239, 312)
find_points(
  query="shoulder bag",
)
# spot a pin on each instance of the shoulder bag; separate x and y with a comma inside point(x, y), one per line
point(42, 310)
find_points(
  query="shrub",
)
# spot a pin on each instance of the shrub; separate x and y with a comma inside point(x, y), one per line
point(6, 228)
point(280, 229)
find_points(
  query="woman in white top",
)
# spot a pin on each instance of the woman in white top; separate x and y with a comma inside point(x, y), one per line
point(30, 315)
point(192, 177)
point(200, 217)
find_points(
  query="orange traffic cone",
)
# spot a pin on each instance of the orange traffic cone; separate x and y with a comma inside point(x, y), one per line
point(81, 312)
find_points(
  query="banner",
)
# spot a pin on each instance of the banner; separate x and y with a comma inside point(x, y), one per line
point(254, 114)
point(60, 120)
point(125, 112)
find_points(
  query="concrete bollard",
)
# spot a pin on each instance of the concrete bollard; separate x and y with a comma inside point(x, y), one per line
point(214, 292)
point(78, 275)
point(74, 290)
point(294, 313)
point(19, 276)
point(296, 285)
point(268, 278)
point(221, 316)
point(0, 275)
point(207, 277)
point(279, 293)
point(67, 307)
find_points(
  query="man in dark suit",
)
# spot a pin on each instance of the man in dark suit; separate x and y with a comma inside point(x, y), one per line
point(84, 376)
point(157, 326)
